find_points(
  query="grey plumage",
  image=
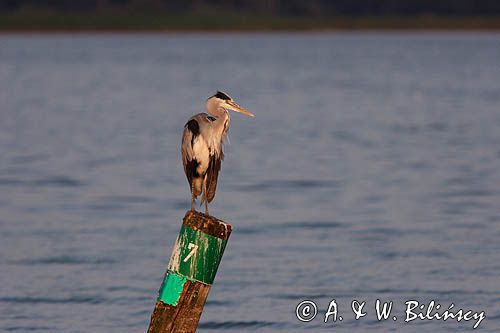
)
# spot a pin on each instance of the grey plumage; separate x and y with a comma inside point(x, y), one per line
point(202, 146)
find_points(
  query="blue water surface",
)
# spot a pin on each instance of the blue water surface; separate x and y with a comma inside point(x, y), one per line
point(371, 171)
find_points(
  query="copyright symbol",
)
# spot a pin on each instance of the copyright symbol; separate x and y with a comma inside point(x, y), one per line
point(306, 311)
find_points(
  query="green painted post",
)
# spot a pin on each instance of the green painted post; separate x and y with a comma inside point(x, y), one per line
point(191, 271)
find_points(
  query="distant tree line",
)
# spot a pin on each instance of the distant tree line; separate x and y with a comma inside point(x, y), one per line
point(277, 7)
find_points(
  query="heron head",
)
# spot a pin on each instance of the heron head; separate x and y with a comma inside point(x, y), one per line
point(223, 100)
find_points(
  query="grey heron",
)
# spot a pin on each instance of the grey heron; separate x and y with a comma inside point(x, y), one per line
point(202, 146)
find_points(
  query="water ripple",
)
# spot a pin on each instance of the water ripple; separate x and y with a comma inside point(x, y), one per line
point(297, 184)
point(22, 159)
point(237, 324)
point(468, 193)
point(65, 260)
point(54, 300)
point(218, 303)
point(350, 137)
point(56, 181)
point(126, 199)
point(310, 225)
point(27, 328)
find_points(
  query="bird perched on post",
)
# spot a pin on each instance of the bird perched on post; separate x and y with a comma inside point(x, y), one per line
point(202, 146)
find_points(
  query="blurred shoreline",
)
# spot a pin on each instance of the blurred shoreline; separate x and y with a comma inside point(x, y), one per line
point(127, 21)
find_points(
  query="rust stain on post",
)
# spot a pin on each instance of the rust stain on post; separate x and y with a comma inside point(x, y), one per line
point(207, 224)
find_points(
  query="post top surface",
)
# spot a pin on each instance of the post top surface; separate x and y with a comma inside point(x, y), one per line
point(207, 224)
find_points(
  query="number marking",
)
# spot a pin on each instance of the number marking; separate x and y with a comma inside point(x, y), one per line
point(193, 248)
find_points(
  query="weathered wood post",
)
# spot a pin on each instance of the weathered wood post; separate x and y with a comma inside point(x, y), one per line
point(190, 273)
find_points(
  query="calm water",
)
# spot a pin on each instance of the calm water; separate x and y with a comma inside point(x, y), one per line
point(371, 171)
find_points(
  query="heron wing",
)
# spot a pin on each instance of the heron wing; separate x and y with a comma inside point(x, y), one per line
point(195, 147)
point(211, 177)
point(191, 131)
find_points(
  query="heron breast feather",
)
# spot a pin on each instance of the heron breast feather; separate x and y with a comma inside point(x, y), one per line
point(201, 152)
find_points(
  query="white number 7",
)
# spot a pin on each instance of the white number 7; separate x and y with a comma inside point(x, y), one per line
point(193, 248)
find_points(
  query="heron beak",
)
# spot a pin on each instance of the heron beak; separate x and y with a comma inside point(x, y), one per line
point(235, 107)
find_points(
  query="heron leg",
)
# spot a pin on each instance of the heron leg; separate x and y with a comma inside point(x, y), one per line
point(205, 196)
point(192, 200)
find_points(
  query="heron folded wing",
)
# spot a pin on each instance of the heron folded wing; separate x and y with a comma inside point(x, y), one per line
point(188, 159)
point(212, 175)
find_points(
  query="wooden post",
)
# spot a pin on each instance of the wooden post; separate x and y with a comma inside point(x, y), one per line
point(190, 273)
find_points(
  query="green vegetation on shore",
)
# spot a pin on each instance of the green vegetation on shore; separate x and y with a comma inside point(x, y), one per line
point(47, 20)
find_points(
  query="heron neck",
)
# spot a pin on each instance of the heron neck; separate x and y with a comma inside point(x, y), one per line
point(219, 113)
point(221, 123)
